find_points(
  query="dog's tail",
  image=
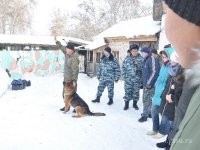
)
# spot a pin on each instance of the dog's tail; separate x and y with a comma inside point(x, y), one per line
point(97, 114)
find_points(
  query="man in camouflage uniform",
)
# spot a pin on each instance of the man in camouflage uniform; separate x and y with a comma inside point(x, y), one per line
point(108, 72)
point(71, 66)
point(132, 73)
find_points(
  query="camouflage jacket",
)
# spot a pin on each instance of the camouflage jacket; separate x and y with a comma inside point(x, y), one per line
point(109, 69)
point(131, 70)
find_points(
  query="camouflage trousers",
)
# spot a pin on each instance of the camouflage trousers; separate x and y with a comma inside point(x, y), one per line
point(103, 84)
point(147, 101)
point(132, 89)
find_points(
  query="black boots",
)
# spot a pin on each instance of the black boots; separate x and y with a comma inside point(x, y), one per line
point(110, 102)
point(135, 105)
point(166, 144)
point(97, 100)
point(126, 105)
point(142, 119)
point(62, 109)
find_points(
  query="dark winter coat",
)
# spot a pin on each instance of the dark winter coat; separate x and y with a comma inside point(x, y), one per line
point(150, 71)
point(168, 109)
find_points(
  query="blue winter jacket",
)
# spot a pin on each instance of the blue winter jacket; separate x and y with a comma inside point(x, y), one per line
point(150, 71)
point(161, 80)
point(109, 69)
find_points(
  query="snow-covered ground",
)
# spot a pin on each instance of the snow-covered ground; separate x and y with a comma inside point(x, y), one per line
point(4, 81)
point(30, 119)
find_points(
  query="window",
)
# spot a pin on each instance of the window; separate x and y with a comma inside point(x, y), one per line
point(90, 56)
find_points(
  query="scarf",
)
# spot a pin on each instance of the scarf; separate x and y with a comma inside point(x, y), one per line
point(166, 62)
point(173, 70)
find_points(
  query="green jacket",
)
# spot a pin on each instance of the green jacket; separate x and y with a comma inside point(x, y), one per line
point(71, 65)
point(188, 135)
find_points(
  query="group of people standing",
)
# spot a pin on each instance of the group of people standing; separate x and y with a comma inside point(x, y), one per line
point(167, 88)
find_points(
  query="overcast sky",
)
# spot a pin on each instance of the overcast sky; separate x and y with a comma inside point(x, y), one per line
point(45, 8)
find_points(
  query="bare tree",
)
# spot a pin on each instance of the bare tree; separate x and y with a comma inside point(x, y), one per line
point(14, 15)
point(95, 16)
point(59, 23)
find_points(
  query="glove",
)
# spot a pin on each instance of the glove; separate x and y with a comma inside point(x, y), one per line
point(116, 81)
point(148, 87)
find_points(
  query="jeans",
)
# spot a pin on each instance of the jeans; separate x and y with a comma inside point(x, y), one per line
point(155, 117)
point(165, 125)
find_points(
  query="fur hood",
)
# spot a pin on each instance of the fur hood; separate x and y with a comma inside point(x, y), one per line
point(193, 74)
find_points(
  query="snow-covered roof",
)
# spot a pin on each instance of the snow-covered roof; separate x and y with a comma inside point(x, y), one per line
point(37, 40)
point(96, 44)
point(129, 29)
point(73, 40)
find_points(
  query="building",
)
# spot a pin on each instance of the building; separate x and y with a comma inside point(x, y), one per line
point(142, 31)
point(22, 54)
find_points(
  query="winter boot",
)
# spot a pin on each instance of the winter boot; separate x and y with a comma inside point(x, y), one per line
point(135, 105)
point(158, 136)
point(97, 100)
point(142, 119)
point(150, 116)
point(110, 102)
point(62, 109)
point(162, 144)
point(126, 105)
point(165, 144)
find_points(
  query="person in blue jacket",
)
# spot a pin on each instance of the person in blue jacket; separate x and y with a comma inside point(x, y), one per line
point(150, 72)
point(159, 87)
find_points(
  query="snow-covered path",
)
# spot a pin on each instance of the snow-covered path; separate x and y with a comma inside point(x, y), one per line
point(30, 120)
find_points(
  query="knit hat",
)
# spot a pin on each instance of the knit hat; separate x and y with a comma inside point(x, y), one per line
point(108, 49)
point(174, 57)
point(154, 51)
point(70, 46)
point(145, 50)
point(187, 9)
point(133, 46)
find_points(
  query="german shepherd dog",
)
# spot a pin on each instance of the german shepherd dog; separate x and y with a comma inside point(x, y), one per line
point(71, 98)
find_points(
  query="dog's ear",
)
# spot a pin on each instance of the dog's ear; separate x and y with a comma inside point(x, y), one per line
point(64, 83)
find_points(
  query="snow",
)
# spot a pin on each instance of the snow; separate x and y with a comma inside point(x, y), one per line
point(37, 39)
point(31, 120)
point(4, 81)
point(129, 29)
point(96, 44)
